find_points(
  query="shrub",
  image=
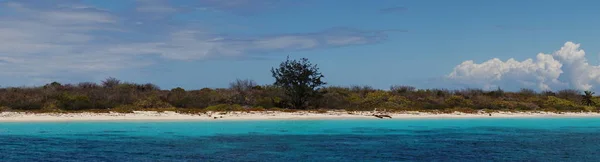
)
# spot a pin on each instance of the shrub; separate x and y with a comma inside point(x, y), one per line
point(400, 89)
point(496, 93)
point(126, 97)
point(467, 93)
point(74, 102)
point(87, 85)
point(256, 109)
point(225, 107)
point(362, 90)
point(569, 94)
point(527, 106)
point(124, 109)
point(5, 109)
point(321, 111)
point(243, 91)
point(503, 105)
point(283, 110)
point(527, 92)
point(377, 99)
point(26, 104)
point(51, 106)
point(561, 104)
point(111, 82)
point(335, 98)
point(458, 101)
point(178, 97)
point(151, 102)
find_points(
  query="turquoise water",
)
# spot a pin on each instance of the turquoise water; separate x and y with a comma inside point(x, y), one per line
point(540, 139)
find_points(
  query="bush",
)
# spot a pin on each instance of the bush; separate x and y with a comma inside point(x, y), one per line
point(561, 104)
point(152, 102)
point(225, 107)
point(569, 94)
point(126, 97)
point(5, 109)
point(111, 82)
point(26, 104)
point(256, 109)
point(335, 98)
point(87, 85)
point(400, 89)
point(51, 106)
point(527, 106)
point(74, 102)
point(283, 110)
point(380, 99)
point(178, 98)
point(503, 105)
point(527, 92)
point(458, 101)
point(124, 109)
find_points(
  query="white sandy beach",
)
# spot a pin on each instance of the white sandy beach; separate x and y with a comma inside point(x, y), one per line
point(263, 115)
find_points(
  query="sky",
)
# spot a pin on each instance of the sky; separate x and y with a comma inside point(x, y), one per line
point(511, 44)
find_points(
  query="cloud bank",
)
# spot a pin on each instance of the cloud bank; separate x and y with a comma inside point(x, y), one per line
point(564, 68)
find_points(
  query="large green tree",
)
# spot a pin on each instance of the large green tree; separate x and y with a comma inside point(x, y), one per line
point(300, 80)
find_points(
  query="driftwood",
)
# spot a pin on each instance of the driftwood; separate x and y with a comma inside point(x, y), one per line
point(386, 116)
point(382, 116)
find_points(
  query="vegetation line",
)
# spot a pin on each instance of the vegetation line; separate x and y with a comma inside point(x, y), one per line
point(298, 86)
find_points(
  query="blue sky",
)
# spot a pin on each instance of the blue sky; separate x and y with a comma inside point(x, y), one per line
point(209, 43)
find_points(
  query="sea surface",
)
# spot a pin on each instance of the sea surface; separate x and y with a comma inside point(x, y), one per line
point(536, 139)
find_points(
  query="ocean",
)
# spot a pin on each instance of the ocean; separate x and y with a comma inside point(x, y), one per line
point(520, 139)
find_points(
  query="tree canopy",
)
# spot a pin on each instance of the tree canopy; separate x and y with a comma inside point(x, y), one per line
point(300, 80)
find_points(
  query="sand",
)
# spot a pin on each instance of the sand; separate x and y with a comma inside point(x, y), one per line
point(264, 115)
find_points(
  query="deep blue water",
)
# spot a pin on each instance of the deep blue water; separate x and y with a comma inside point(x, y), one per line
point(542, 139)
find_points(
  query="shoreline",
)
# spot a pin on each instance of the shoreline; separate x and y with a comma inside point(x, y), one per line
point(270, 115)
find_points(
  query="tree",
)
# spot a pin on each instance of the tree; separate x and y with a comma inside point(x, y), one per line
point(110, 82)
point(587, 98)
point(243, 90)
point(178, 97)
point(300, 81)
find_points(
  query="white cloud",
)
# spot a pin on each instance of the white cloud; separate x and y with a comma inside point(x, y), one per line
point(39, 42)
point(196, 45)
point(241, 7)
point(565, 68)
point(66, 38)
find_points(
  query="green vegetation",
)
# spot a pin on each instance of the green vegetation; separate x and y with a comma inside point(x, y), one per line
point(298, 86)
point(300, 81)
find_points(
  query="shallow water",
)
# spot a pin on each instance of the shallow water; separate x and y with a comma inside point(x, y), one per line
point(540, 139)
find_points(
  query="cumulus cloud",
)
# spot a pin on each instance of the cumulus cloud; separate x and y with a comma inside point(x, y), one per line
point(41, 40)
point(565, 68)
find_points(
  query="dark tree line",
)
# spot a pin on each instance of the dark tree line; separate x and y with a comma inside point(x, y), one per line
point(298, 85)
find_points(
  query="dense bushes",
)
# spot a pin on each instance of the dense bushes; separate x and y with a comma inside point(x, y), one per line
point(298, 85)
point(114, 95)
